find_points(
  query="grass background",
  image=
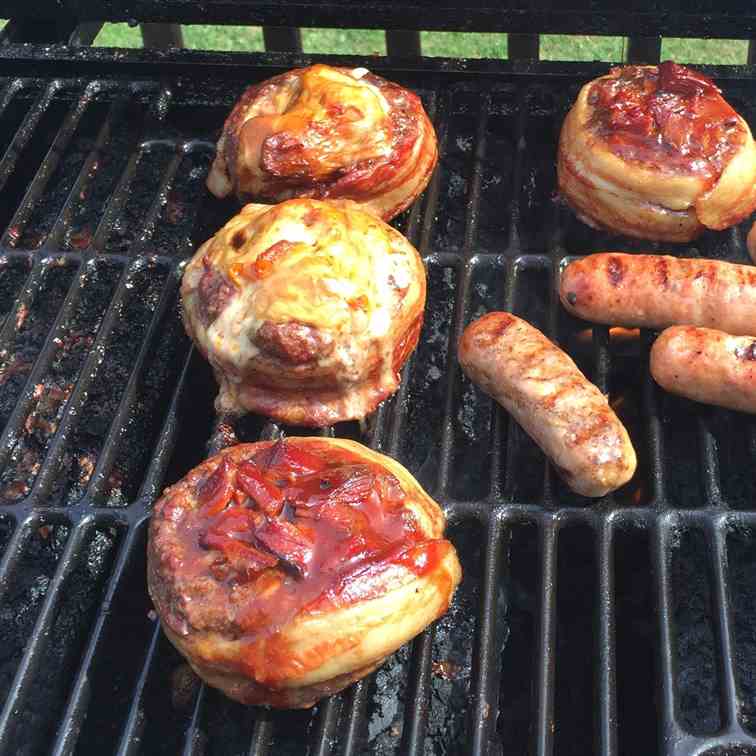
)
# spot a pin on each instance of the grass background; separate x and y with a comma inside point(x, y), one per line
point(444, 44)
point(452, 44)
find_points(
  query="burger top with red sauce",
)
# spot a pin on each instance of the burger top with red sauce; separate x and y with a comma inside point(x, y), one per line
point(281, 527)
point(668, 115)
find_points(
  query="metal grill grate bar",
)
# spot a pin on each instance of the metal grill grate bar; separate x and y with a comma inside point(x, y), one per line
point(607, 679)
point(49, 164)
point(79, 699)
point(41, 633)
point(354, 713)
point(328, 720)
point(130, 737)
point(261, 735)
point(525, 265)
point(193, 737)
point(715, 535)
point(418, 692)
point(111, 446)
point(544, 730)
point(485, 672)
point(664, 599)
point(462, 294)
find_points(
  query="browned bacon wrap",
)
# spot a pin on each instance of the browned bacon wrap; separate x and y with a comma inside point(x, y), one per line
point(286, 570)
point(656, 152)
point(326, 132)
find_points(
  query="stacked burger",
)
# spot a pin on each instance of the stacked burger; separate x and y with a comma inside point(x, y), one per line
point(286, 570)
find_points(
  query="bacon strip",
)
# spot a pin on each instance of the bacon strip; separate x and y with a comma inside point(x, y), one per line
point(216, 491)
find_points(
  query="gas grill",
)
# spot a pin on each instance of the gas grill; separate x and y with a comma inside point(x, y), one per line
point(624, 626)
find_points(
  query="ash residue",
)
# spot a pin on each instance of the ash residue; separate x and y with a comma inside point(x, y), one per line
point(697, 680)
point(453, 645)
point(741, 561)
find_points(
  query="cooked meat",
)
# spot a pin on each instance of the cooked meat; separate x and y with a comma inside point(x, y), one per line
point(542, 388)
point(315, 308)
point(286, 570)
point(325, 132)
point(656, 291)
point(707, 366)
point(656, 152)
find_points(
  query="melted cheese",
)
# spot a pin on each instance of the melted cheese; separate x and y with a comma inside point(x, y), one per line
point(334, 267)
point(337, 116)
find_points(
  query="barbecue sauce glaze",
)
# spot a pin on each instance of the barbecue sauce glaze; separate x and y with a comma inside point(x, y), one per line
point(668, 117)
point(309, 528)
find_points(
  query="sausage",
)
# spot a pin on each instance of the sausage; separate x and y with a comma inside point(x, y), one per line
point(543, 389)
point(707, 366)
point(655, 291)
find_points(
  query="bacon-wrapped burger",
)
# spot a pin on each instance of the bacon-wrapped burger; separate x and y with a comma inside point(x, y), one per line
point(284, 571)
point(306, 310)
point(326, 132)
point(656, 152)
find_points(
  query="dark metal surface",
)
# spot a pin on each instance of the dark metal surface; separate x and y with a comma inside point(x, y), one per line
point(162, 35)
point(282, 39)
point(523, 46)
point(643, 49)
point(622, 626)
point(405, 44)
point(702, 18)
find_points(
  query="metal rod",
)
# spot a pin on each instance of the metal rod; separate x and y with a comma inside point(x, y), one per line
point(71, 721)
point(544, 727)
point(131, 733)
point(716, 536)
point(462, 295)
point(607, 672)
point(523, 46)
point(643, 49)
point(418, 692)
point(40, 635)
point(282, 39)
point(162, 35)
point(403, 44)
point(485, 679)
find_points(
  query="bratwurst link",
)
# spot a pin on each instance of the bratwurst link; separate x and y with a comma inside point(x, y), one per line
point(655, 291)
point(707, 366)
point(543, 389)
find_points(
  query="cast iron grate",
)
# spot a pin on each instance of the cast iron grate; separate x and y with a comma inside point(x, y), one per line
point(622, 627)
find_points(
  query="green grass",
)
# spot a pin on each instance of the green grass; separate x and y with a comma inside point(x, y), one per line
point(451, 44)
point(443, 44)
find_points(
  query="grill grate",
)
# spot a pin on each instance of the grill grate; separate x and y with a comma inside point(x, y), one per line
point(622, 627)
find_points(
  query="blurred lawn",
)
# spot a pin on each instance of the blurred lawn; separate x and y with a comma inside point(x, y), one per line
point(452, 44)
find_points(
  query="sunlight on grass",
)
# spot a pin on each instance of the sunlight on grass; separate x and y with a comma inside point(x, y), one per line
point(712, 51)
point(118, 35)
point(437, 44)
point(344, 41)
point(582, 47)
point(239, 38)
point(462, 45)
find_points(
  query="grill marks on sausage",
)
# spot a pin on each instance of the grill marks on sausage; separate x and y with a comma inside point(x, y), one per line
point(615, 271)
point(662, 273)
point(488, 329)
